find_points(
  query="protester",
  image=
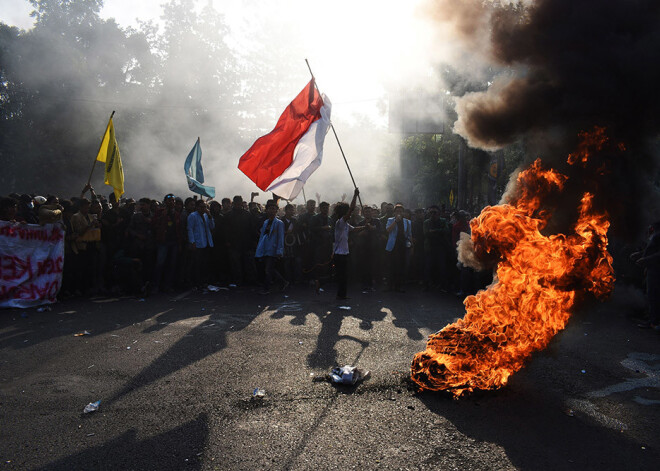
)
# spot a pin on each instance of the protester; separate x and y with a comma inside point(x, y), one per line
point(219, 265)
point(342, 214)
point(87, 232)
point(140, 239)
point(399, 241)
point(200, 240)
point(436, 240)
point(649, 258)
point(320, 228)
point(50, 211)
point(169, 235)
point(271, 247)
point(237, 236)
point(368, 244)
point(305, 236)
point(290, 259)
point(8, 209)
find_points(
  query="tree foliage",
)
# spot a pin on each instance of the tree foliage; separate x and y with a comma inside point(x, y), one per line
point(60, 80)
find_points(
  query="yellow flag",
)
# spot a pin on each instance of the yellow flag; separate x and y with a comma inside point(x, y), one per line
point(109, 153)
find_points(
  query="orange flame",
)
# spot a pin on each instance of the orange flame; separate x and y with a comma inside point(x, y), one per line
point(537, 281)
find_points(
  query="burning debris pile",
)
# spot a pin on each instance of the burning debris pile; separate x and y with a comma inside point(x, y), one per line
point(570, 65)
point(538, 279)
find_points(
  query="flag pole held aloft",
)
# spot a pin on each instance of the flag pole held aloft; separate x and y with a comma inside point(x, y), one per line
point(336, 137)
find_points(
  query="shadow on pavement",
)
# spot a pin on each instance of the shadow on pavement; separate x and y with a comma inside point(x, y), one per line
point(532, 426)
point(73, 316)
point(192, 347)
point(179, 448)
point(325, 354)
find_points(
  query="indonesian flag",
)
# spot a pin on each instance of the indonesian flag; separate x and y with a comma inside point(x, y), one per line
point(282, 161)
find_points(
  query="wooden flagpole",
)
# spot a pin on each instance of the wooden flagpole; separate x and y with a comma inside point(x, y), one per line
point(335, 133)
point(89, 180)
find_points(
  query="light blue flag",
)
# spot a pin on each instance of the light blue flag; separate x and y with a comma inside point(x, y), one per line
point(195, 174)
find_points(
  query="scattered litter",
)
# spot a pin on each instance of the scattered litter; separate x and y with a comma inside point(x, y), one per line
point(311, 374)
point(345, 308)
point(213, 288)
point(232, 285)
point(44, 309)
point(80, 334)
point(321, 290)
point(114, 335)
point(300, 342)
point(91, 434)
point(584, 371)
point(91, 366)
point(141, 300)
point(258, 393)
point(570, 413)
point(286, 296)
point(128, 348)
point(289, 307)
point(348, 375)
point(91, 407)
point(365, 292)
point(134, 341)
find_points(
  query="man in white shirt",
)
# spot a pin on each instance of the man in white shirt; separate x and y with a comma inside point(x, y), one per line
point(340, 253)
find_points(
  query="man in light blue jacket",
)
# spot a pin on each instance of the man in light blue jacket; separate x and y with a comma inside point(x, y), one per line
point(200, 239)
point(271, 247)
point(399, 241)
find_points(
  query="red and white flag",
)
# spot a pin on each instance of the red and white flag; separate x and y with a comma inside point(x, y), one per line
point(282, 161)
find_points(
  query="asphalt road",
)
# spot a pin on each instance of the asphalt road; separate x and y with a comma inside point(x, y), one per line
point(176, 376)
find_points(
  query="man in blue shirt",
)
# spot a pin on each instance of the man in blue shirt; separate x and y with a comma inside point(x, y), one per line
point(399, 241)
point(200, 226)
point(271, 247)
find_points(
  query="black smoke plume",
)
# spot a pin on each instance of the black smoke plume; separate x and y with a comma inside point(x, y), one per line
point(567, 67)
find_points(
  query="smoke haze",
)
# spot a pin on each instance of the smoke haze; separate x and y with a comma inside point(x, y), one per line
point(223, 74)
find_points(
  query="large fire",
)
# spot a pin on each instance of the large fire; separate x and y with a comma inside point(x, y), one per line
point(537, 280)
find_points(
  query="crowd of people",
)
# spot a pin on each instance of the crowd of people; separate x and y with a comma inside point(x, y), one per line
point(148, 246)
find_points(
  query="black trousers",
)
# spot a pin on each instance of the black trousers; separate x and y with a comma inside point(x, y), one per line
point(397, 266)
point(341, 274)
